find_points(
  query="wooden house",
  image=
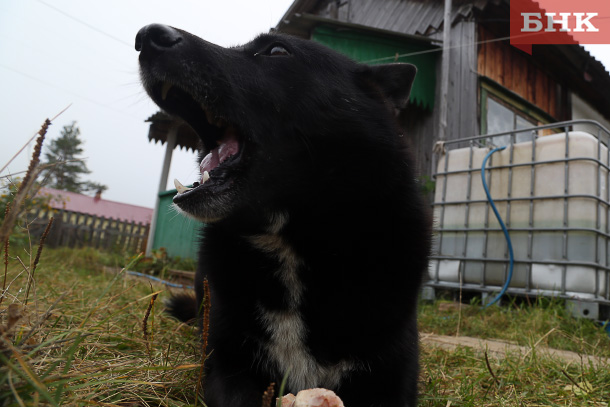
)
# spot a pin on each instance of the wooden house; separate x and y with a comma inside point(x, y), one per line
point(487, 85)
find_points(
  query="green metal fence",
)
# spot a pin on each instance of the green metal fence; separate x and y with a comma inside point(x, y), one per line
point(177, 233)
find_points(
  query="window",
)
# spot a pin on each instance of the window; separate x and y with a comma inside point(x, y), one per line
point(504, 118)
point(501, 111)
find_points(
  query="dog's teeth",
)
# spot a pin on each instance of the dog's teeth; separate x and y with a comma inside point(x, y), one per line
point(166, 87)
point(181, 188)
point(205, 177)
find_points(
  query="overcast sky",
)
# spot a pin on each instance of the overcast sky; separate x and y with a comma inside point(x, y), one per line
point(54, 53)
point(59, 52)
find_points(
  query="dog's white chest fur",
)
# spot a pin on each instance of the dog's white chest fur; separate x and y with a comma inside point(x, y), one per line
point(286, 350)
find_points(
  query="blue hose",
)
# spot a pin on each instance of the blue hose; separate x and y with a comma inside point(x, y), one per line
point(158, 280)
point(508, 241)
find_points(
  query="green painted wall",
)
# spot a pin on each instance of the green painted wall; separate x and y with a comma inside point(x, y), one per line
point(177, 233)
point(375, 49)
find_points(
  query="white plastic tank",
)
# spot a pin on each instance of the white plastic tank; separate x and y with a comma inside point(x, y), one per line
point(552, 193)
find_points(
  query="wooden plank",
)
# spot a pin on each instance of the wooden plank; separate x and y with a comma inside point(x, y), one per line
point(489, 60)
point(130, 236)
point(499, 63)
point(146, 231)
point(540, 95)
point(519, 75)
point(71, 230)
point(63, 238)
point(548, 101)
point(91, 230)
point(55, 233)
point(531, 85)
point(507, 63)
point(553, 97)
point(482, 52)
point(102, 233)
point(98, 231)
point(492, 62)
point(545, 100)
point(136, 237)
point(468, 83)
point(79, 232)
point(120, 235)
point(452, 102)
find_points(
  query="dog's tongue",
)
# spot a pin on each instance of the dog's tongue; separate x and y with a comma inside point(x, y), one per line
point(228, 146)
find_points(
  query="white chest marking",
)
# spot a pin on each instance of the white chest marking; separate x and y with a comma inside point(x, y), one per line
point(286, 350)
point(288, 353)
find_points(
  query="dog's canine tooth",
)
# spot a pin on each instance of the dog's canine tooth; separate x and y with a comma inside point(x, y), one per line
point(205, 177)
point(181, 188)
point(166, 87)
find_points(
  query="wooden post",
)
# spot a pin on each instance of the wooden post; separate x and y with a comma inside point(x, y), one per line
point(172, 136)
point(445, 71)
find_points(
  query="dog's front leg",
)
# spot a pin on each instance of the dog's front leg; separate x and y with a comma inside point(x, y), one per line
point(235, 388)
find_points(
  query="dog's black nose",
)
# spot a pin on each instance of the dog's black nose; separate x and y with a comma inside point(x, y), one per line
point(157, 36)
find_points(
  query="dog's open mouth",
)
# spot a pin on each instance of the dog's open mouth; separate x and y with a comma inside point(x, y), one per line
point(223, 142)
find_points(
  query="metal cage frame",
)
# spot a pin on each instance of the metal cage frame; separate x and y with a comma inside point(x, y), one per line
point(601, 263)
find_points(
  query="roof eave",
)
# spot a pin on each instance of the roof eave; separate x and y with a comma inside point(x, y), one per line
point(301, 24)
point(298, 6)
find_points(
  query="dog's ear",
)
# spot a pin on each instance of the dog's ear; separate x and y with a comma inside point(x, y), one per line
point(394, 81)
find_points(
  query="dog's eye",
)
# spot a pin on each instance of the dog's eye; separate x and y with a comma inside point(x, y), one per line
point(277, 51)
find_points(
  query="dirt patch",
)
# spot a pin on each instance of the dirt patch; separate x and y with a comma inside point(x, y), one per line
point(498, 348)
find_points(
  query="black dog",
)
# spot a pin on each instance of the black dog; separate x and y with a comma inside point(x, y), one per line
point(317, 238)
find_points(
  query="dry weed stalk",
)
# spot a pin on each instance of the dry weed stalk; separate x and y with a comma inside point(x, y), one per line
point(29, 175)
point(490, 369)
point(145, 321)
point(6, 246)
point(37, 259)
point(204, 335)
point(572, 380)
point(206, 317)
point(268, 396)
point(26, 185)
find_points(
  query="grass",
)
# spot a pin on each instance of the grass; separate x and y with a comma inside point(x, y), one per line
point(544, 321)
point(463, 377)
point(73, 335)
point(80, 341)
